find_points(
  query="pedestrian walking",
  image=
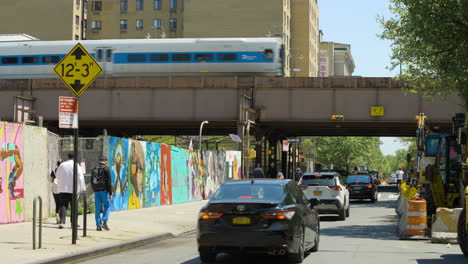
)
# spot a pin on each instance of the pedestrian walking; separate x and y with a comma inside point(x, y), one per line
point(399, 174)
point(258, 172)
point(298, 174)
point(55, 193)
point(280, 175)
point(102, 187)
point(64, 177)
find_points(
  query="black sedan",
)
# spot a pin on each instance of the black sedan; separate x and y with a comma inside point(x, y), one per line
point(362, 187)
point(259, 216)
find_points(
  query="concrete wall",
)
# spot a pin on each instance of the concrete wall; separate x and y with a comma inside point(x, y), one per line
point(36, 169)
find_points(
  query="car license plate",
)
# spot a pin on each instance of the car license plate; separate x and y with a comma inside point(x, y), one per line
point(317, 193)
point(357, 188)
point(241, 220)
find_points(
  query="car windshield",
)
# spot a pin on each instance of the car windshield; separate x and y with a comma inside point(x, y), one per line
point(250, 192)
point(318, 180)
point(358, 179)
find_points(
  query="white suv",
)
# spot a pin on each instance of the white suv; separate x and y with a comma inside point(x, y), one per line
point(328, 188)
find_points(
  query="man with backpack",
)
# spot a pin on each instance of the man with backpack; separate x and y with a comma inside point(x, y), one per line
point(102, 187)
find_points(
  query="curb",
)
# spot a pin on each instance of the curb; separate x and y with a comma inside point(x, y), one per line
point(90, 254)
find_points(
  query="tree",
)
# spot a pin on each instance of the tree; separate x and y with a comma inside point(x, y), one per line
point(430, 40)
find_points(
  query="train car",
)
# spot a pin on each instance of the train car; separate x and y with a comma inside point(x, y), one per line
point(149, 57)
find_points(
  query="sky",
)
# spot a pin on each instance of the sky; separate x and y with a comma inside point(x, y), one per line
point(355, 22)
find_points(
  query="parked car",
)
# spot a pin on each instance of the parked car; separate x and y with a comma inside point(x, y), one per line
point(261, 216)
point(328, 187)
point(362, 187)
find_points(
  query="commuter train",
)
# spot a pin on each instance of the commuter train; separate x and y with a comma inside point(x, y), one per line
point(149, 57)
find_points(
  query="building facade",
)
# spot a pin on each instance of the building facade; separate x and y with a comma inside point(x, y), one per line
point(56, 20)
point(335, 59)
point(135, 19)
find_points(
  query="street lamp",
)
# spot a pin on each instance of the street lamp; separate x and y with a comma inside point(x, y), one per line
point(200, 138)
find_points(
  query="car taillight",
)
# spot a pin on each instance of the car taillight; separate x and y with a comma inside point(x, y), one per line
point(205, 214)
point(336, 187)
point(368, 187)
point(303, 187)
point(278, 214)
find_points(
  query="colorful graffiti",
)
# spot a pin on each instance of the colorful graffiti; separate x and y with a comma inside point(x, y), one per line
point(11, 173)
point(147, 174)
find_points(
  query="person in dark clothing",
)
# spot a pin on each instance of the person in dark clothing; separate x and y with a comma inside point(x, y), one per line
point(298, 174)
point(102, 187)
point(258, 172)
point(55, 193)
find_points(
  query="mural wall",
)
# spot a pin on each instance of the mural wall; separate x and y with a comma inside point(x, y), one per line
point(11, 173)
point(147, 174)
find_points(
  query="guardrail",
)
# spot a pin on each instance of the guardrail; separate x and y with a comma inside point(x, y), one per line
point(85, 210)
point(34, 222)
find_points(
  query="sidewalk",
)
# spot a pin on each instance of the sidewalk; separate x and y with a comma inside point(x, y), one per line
point(126, 226)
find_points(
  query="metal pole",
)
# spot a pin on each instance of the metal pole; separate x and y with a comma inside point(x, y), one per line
point(74, 208)
point(200, 138)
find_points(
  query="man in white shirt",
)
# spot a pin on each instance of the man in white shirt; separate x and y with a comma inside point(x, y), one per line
point(399, 175)
point(64, 176)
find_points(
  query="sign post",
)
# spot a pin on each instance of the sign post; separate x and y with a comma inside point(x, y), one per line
point(77, 70)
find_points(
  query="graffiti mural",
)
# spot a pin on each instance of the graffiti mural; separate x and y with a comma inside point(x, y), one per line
point(11, 173)
point(180, 175)
point(151, 189)
point(147, 174)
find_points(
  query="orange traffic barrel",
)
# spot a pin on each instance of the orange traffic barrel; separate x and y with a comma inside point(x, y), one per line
point(416, 224)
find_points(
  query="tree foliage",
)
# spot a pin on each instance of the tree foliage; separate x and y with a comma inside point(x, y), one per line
point(430, 40)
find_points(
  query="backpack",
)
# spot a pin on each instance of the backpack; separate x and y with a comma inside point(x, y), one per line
point(98, 179)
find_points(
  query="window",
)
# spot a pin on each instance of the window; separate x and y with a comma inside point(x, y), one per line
point(139, 4)
point(77, 37)
point(123, 25)
point(204, 57)
point(77, 20)
point(78, 3)
point(108, 54)
point(96, 24)
point(85, 24)
point(157, 4)
point(139, 24)
point(136, 57)
point(159, 57)
point(181, 57)
point(29, 60)
point(173, 24)
point(9, 60)
point(227, 57)
point(173, 4)
point(268, 54)
point(50, 59)
point(99, 55)
point(97, 6)
point(156, 23)
point(123, 5)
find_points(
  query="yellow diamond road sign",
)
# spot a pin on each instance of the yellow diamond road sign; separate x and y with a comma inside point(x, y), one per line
point(78, 69)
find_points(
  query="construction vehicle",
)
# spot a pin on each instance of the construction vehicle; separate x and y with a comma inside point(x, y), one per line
point(442, 170)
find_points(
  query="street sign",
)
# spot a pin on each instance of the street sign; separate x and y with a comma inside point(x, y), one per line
point(294, 140)
point(377, 111)
point(78, 70)
point(285, 145)
point(235, 138)
point(68, 112)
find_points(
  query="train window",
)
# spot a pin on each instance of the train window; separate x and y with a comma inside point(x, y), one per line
point(227, 57)
point(50, 59)
point(204, 57)
point(268, 54)
point(159, 57)
point(181, 57)
point(29, 60)
point(136, 57)
point(108, 54)
point(99, 55)
point(9, 60)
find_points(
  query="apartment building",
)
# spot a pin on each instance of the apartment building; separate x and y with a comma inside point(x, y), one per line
point(45, 20)
point(296, 21)
point(133, 19)
point(335, 59)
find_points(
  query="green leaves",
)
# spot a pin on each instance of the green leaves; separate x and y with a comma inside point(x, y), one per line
point(430, 41)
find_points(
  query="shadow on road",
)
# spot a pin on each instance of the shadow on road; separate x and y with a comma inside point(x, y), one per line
point(368, 204)
point(378, 232)
point(244, 259)
point(446, 259)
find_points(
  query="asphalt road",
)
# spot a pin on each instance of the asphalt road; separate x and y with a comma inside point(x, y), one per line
point(369, 235)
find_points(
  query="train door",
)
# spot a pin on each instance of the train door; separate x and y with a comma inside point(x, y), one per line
point(105, 57)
